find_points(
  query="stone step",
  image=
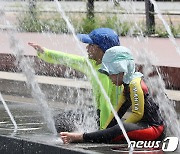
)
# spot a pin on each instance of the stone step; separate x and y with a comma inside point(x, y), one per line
point(54, 88)
point(16, 82)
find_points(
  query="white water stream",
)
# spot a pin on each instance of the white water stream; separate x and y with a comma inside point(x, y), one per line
point(9, 113)
point(156, 83)
point(25, 64)
point(71, 28)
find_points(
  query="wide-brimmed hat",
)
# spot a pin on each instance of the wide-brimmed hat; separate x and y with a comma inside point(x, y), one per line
point(119, 59)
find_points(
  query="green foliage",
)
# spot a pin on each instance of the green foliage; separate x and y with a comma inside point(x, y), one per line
point(173, 29)
point(29, 21)
point(42, 24)
point(88, 25)
point(110, 22)
point(125, 28)
point(160, 32)
point(36, 22)
point(29, 24)
point(55, 25)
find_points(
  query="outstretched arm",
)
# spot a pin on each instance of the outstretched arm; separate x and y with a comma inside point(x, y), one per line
point(58, 57)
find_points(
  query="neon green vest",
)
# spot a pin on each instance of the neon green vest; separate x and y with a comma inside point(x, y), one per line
point(79, 63)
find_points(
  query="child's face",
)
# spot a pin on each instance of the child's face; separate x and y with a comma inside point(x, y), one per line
point(94, 52)
point(117, 79)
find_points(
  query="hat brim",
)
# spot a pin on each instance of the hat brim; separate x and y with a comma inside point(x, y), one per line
point(104, 69)
point(111, 68)
point(85, 38)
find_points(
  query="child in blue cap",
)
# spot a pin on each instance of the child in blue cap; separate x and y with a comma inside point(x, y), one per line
point(145, 122)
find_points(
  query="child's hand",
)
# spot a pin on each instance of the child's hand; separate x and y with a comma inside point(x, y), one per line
point(36, 47)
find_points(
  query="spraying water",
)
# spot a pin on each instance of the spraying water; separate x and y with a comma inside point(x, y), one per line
point(28, 71)
point(9, 113)
point(166, 106)
point(157, 88)
point(171, 37)
point(25, 64)
point(4, 103)
point(60, 10)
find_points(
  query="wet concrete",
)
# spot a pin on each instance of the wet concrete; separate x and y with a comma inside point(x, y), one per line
point(33, 135)
point(24, 146)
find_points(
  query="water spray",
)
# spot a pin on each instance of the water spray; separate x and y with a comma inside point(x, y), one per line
point(167, 105)
point(9, 113)
point(61, 11)
point(27, 69)
point(171, 37)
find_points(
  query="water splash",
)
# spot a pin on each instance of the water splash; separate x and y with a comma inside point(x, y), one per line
point(157, 89)
point(171, 37)
point(10, 115)
point(166, 106)
point(24, 64)
point(71, 28)
point(145, 58)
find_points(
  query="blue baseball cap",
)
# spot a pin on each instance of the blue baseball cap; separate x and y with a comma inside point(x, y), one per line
point(105, 38)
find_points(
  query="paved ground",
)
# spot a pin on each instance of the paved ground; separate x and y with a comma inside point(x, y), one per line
point(163, 51)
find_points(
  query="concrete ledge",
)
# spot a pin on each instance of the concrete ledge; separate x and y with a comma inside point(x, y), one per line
point(20, 146)
point(74, 83)
point(55, 89)
point(15, 83)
